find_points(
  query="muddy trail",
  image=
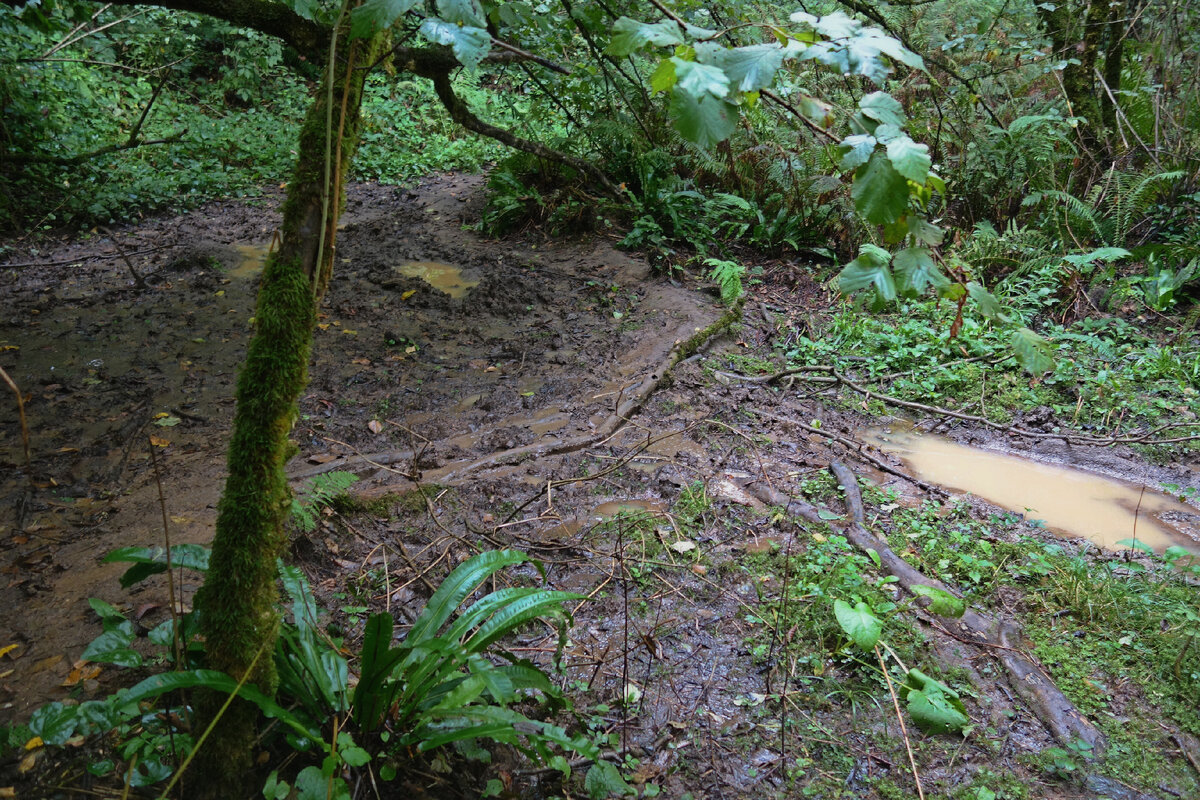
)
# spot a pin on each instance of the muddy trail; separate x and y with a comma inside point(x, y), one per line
point(548, 396)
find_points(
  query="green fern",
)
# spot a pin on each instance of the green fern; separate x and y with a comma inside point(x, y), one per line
point(307, 505)
point(728, 275)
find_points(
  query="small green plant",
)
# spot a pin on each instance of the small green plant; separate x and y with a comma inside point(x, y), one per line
point(728, 275)
point(320, 492)
point(934, 706)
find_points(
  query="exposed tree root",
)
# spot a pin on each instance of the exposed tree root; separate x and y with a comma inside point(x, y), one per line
point(625, 408)
point(1001, 637)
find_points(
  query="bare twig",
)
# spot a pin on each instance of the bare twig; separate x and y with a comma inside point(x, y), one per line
point(21, 414)
point(900, 718)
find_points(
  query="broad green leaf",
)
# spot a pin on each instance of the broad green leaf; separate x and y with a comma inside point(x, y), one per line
point(915, 271)
point(149, 561)
point(934, 706)
point(470, 45)
point(880, 193)
point(862, 626)
point(1136, 544)
point(112, 647)
point(457, 586)
point(664, 76)
point(304, 8)
point(699, 80)
point(883, 108)
point(869, 269)
point(217, 681)
point(702, 121)
point(832, 26)
point(750, 68)
point(909, 159)
point(887, 133)
point(468, 13)
point(376, 15)
point(604, 780)
point(54, 723)
point(515, 614)
point(629, 36)
point(987, 303)
point(1033, 352)
point(941, 602)
point(924, 231)
point(856, 149)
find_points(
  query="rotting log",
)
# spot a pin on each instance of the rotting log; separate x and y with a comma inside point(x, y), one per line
point(1000, 637)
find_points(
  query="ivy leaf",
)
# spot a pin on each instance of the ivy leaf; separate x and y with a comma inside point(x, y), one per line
point(987, 303)
point(750, 68)
point(856, 149)
point(909, 158)
point(699, 80)
point(916, 270)
point(935, 707)
point(703, 121)
point(470, 45)
point(941, 602)
point(629, 36)
point(880, 192)
point(468, 13)
point(883, 108)
point(869, 269)
point(862, 626)
point(1033, 352)
point(377, 15)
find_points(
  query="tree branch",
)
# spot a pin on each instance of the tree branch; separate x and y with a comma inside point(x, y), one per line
point(38, 158)
point(274, 19)
point(460, 113)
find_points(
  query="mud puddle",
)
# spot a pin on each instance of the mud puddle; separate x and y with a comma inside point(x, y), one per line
point(454, 281)
point(1070, 502)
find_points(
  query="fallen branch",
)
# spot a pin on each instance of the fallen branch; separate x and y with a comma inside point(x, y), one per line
point(1002, 637)
point(20, 413)
point(625, 408)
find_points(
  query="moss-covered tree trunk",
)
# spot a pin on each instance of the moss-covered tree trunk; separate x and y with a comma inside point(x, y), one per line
point(237, 603)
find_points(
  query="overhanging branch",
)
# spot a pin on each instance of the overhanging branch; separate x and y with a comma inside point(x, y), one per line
point(460, 113)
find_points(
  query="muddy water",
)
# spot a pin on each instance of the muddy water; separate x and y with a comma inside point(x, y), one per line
point(1070, 502)
point(447, 278)
point(252, 259)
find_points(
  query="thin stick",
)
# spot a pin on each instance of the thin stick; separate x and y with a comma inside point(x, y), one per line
point(21, 414)
point(162, 504)
point(900, 718)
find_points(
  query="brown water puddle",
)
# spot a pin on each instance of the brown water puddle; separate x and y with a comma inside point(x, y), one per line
point(253, 257)
point(1070, 502)
point(454, 281)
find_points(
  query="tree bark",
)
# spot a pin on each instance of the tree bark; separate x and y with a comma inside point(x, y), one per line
point(237, 604)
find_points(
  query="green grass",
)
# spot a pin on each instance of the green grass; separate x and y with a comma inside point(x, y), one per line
point(1112, 375)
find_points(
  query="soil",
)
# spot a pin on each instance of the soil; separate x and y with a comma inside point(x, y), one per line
point(482, 419)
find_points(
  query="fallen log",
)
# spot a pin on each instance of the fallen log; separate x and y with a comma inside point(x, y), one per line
point(1001, 637)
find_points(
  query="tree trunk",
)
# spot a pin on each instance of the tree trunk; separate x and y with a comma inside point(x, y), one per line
point(237, 604)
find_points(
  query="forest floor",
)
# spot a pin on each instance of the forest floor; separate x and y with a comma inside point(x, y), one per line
point(484, 413)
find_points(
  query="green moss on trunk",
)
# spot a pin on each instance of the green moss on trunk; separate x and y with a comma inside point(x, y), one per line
point(237, 603)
